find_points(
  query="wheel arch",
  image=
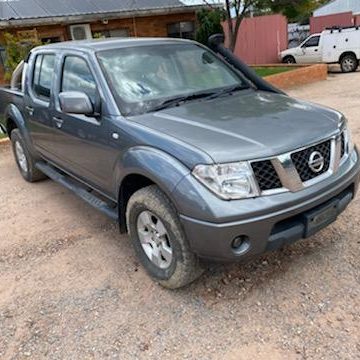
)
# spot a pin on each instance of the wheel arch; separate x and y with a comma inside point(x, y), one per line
point(289, 56)
point(143, 166)
point(347, 53)
point(15, 120)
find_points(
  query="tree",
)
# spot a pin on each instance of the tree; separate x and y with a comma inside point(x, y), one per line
point(295, 10)
point(240, 8)
point(209, 23)
point(16, 50)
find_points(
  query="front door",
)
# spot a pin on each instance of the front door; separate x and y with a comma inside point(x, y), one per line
point(81, 143)
point(310, 51)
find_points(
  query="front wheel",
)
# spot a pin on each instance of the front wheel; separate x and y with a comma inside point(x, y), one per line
point(349, 63)
point(159, 240)
point(289, 60)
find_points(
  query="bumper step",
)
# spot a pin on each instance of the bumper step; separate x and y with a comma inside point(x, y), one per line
point(79, 190)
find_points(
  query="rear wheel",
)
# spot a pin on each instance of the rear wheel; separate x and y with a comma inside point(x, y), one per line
point(289, 60)
point(23, 158)
point(349, 63)
point(159, 240)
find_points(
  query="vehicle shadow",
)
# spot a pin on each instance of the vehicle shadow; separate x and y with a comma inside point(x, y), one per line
point(238, 281)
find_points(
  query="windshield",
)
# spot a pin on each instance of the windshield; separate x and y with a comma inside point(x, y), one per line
point(142, 78)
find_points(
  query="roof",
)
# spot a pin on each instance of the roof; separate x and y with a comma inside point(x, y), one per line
point(111, 43)
point(338, 6)
point(35, 9)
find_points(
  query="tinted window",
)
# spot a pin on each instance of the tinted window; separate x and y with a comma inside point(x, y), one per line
point(78, 77)
point(43, 75)
point(314, 41)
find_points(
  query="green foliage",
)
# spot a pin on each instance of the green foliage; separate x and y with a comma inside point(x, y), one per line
point(295, 10)
point(209, 23)
point(16, 51)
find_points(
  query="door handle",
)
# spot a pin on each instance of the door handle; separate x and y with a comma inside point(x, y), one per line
point(30, 110)
point(58, 122)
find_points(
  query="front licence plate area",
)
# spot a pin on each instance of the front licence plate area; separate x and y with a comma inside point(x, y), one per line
point(320, 217)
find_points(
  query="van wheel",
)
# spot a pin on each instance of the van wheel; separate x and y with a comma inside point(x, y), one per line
point(349, 63)
point(159, 240)
point(23, 158)
point(289, 60)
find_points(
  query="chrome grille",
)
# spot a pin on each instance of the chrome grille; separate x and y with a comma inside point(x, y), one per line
point(291, 171)
point(301, 160)
point(266, 175)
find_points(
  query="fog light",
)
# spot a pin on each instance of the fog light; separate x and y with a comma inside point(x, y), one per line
point(240, 244)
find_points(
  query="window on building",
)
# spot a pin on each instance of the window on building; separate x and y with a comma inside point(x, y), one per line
point(77, 76)
point(43, 75)
point(111, 33)
point(185, 30)
point(50, 39)
point(2, 57)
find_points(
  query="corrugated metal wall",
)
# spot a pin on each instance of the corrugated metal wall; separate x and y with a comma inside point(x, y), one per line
point(261, 39)
point(319, 23)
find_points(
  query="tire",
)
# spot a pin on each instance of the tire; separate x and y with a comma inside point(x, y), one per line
point(349, 63)
point(289, 60)
point(24, 160)
point(145, 209)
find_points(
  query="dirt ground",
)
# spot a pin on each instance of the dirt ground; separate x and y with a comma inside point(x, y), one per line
point(71, 288)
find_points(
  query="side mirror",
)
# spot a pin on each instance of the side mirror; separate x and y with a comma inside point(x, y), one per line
point(74, 102)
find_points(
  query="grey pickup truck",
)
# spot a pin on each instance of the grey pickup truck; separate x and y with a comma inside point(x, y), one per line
point(194, 155)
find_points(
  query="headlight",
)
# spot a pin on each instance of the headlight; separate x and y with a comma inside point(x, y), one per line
point(228, 181)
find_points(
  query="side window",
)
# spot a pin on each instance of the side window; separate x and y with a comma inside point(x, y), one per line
point(43, 76)
point(78, 77)
point(314, 41)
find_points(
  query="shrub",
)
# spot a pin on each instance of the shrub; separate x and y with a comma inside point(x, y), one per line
point(16, 50)
point(209, 23)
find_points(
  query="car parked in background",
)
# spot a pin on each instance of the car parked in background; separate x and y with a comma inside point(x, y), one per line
point(332, 46)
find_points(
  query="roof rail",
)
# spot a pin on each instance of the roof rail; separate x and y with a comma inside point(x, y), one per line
point(340, 28)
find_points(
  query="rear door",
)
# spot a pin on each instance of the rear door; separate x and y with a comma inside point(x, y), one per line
point(81, 143)
point(38, 103)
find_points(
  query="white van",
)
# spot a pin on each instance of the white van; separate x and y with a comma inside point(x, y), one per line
point(335, 45)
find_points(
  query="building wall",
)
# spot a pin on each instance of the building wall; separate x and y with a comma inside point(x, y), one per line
point(155, 26)
point(319, 23)
point(261, 39)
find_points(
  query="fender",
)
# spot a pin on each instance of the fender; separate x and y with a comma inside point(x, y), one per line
point(12, 112)
point(154, 164)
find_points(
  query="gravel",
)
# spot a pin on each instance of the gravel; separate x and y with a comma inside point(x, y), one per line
point(71, 287)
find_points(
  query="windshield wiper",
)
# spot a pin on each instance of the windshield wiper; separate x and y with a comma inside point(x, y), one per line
point(178, 100)
point(228, 90)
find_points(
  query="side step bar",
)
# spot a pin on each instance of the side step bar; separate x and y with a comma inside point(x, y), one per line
point(80, 191)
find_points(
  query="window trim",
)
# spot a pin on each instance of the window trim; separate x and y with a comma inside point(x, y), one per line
point(64, 55)
point(63, 67)
point(34, 96)
point(309, 39)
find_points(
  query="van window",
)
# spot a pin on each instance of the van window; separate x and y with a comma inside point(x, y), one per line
point(43, 75)
point(78, 77)
point(313, 41)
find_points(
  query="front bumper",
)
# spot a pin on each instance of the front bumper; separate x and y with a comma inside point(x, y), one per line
point(266, 222)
